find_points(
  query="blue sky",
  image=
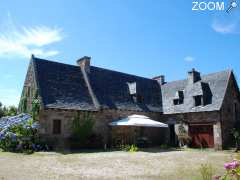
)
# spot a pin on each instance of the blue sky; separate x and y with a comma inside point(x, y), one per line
point(142, 37)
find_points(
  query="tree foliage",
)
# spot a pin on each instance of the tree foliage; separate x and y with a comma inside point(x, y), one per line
point(7, 111)
point(23, 102)
point(35, 105)
point(35, 108)
point(82, 126)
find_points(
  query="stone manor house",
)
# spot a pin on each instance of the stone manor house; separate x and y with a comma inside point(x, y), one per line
point(207, 105)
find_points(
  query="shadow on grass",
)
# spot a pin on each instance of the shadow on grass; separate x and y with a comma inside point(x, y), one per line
point(148, 150)
point(78, 151)
point(158, 149)
point(110, 150)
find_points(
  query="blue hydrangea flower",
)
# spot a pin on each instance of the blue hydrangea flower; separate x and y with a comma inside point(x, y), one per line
point(35, 125)
point(2, 135)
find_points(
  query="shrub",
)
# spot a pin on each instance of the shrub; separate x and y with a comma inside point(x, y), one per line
point(21, 138)
point(164, 146)
point(82, 132)
point(206, 171)
point(183, 137)
point(133, 148)
point(129, 148)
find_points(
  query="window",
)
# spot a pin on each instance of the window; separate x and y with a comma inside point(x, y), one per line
point(56, 126)
point(175, 101)
point(132, 88)
point(178, 101)
point(179, 98)
point(198, 100)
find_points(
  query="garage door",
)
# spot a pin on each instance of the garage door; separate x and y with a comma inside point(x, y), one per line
point(202, 136)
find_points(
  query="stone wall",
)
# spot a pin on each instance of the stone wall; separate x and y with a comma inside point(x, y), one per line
point(101, 127)
point(29, 87)
point(228, 117)
point(212, 117)
point(103, 117)
point(217, 132)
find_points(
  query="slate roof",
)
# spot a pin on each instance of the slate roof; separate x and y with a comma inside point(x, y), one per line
point(111, 90)
point(63, 86)
point(212, 86)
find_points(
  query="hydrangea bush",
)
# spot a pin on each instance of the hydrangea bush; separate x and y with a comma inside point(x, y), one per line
point(19, 134)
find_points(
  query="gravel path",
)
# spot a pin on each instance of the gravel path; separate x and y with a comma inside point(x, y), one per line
point(110, 165)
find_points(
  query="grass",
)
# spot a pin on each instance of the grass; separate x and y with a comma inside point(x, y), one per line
point(146, 164)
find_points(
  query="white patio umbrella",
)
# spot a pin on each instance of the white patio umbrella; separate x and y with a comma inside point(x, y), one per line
point(138, 120)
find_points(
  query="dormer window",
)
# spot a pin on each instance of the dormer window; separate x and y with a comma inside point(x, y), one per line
point(177, 101)
point(198, 100)
point(179, 98)
point(135, 96)
point(132, 88)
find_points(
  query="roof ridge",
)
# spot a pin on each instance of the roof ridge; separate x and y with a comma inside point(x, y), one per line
point(115, 71)
point(35, 58)
point(204, 75)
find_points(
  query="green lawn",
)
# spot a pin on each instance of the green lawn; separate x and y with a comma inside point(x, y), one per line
point(148, 164)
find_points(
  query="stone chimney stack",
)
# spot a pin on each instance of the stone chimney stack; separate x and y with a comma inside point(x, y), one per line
point(193, 76)
point(84, 63)
point(160, 79)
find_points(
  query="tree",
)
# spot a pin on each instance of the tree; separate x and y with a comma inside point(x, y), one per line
point(11, 111)
point(1, 110)
point(7, 111)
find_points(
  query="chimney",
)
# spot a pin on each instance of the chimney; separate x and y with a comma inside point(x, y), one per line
point(84, 63)
point(193, 76)
point(160, 79)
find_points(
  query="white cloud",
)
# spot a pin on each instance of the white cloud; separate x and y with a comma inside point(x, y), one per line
point(223, 28)
point(189, 59)
point(39, 36)
point(24, 41)
point(226, 27)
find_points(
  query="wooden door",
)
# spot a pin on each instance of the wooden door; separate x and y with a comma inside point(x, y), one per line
point(202, 136)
